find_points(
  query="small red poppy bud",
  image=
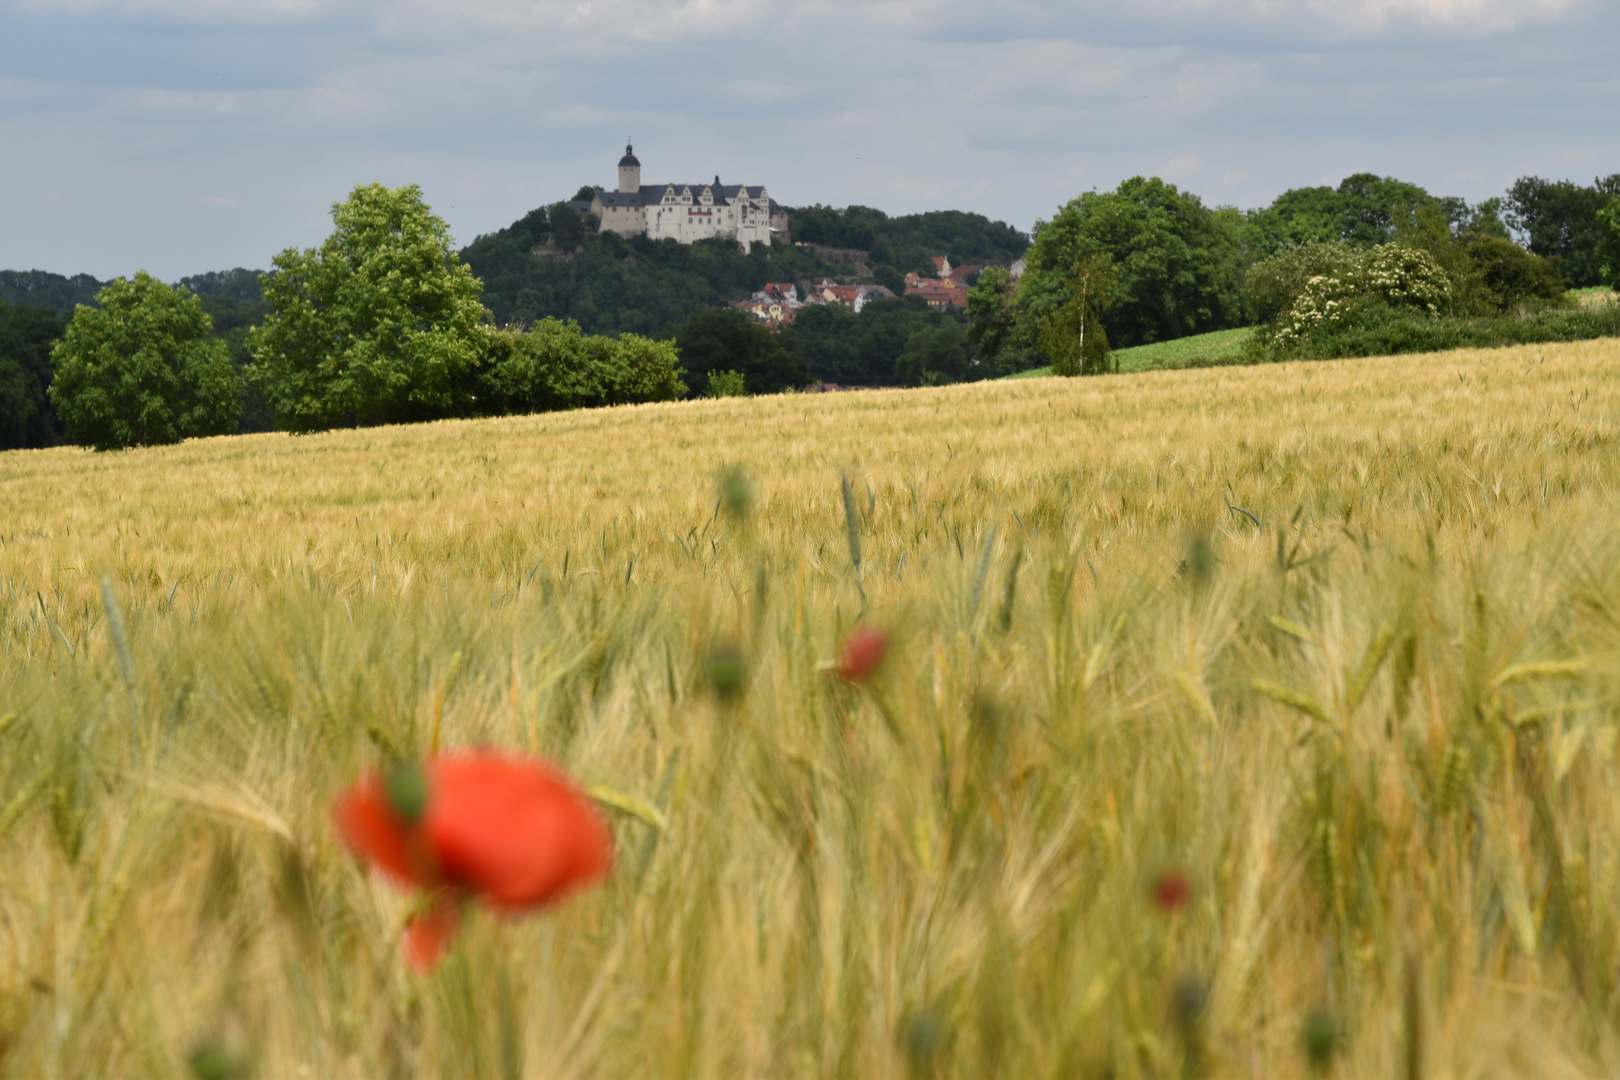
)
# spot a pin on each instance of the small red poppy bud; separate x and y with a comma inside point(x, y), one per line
point(862, 654)
point(1171, 891)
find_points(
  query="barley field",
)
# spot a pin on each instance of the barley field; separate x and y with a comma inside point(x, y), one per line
point(1334, 646)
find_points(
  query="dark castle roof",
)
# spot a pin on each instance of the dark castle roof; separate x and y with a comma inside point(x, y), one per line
point(653, 194)
point(629, 158)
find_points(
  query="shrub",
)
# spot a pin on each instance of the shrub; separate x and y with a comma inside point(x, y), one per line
point(556, 366)
point(1514, 280)
point(1388, 276)
point(1389, 332)
point(1273, 284)
point(143, 370)
point(726, 384)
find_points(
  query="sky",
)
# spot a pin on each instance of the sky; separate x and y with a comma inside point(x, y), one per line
point(180, 136)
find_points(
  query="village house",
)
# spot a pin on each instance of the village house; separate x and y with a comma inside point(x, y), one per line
point(947, 288)
point(854, 297)
point(687, 213)
point(780, 292)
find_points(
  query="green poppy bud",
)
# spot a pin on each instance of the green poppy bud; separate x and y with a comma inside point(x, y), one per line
point(407, 791)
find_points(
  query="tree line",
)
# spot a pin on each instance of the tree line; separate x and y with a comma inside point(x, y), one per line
point(1147, 262)
point(386, 322)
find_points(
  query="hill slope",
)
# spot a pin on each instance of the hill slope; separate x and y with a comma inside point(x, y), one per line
point(545, 264)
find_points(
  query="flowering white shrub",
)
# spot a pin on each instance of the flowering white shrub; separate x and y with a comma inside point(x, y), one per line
point(1388, 275)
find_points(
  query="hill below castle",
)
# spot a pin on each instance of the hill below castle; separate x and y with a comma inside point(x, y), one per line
point(548, 264)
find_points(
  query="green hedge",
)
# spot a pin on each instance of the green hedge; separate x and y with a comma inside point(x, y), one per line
point(1392, 333)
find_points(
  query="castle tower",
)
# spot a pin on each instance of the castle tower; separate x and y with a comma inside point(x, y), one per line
point(629, 172)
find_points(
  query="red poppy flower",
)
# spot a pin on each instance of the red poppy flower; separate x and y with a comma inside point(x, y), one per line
point(514, 833)
point(861, 655)
point(1171, 890)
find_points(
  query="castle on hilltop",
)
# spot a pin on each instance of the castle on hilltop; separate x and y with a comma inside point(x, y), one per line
point(686, 212)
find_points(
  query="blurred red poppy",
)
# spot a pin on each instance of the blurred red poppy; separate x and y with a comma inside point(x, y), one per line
point(1172, 890)
point(514, 833)
point(862, 654)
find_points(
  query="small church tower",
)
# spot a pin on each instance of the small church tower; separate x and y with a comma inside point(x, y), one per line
point(629, 172)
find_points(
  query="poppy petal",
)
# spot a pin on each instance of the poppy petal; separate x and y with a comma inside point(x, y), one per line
point(429, 933)
point(372, 831)
point(518, 833)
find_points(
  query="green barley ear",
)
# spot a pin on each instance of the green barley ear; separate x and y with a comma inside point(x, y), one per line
point(1320, 1033)
point(407, 791)
point(727, 672)
point(1189, 999)
point(925, 1037)
point(852, 523)
point(981, 572)
point(1412, 1006)
point(211, 1061)
point(1009, 593)
point(736, 493)
point(126, 668)
point(1199, 564)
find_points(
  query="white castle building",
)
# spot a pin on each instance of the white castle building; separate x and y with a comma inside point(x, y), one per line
point(686, 212)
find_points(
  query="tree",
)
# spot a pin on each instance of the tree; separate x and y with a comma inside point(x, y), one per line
point(143, 370)
point(1609, 245)
point(890, 278)
point(379, 325)
point(1176, 261)
point(725, 340)
point(1073, 335)
point(861, 350)
point(1513, 279)
point(992, 315)
point(1559, 220)
point(937, 355)
point(27, 419)
point(1362, 211)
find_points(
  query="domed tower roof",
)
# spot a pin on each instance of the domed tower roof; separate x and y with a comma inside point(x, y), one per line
point(629, 158)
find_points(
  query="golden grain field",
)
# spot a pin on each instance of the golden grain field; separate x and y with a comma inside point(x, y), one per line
point(1339, 641)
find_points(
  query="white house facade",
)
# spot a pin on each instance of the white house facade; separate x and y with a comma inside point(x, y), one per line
point(684, 212)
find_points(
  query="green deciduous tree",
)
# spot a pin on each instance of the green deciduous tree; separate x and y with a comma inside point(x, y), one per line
point(1176, 260)
point(380, 324)
point(1559, 219)
point(935, 356)
point(142, 369)
point(1073, 335)
point(1364, 210)
point(993, 323)
point(725, 340)
point(1513, 279)
point(1608, 248)
point(27, 418)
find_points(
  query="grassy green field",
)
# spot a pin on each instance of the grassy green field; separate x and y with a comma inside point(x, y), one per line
point(1199, 350)
point(1338, 641)
point(1596, 294)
